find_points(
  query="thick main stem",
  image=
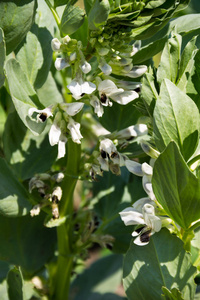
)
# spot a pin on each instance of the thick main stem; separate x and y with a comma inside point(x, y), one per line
point(65, 249)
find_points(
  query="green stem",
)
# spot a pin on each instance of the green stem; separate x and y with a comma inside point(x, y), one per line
point(193, 160)
point(56, 17)
point(61, 280)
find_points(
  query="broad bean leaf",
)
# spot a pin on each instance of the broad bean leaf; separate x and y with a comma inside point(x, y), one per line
point(30, 57)
point(23, 95)
point(108, 272)
point(161, 263)
point(119, 116)
point(72, 19)
point(14, 199)
point(170, 57)
point(2, 57)
point(98, 14)
point(174, 294)
point(60, 2)
point(176, 188)
point(28, 154)
point(88, 4)
point(149, 93)
point(49, 94)
point(186, 69)
point(196, 75)
point(185, 25)
point(169, 123)
point(26, 238)
point(15, 284)
point(16, 19)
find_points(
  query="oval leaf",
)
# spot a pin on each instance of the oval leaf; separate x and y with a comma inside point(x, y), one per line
point(72, 19)
point(163, 262)
point(13, 196)
point(176, 117)
point(23, 95)
point(15, 284)
point(16, 19)
point(176, 188)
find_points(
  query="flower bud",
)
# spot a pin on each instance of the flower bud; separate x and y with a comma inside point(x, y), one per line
point(55, 44)
point(61, 63)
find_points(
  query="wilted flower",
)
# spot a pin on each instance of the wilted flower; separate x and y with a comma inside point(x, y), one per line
point(142, 213)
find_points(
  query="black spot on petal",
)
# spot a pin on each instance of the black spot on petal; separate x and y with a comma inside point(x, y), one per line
point(43, 117)
point(145, 237)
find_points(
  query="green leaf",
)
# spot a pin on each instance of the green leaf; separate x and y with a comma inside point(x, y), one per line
point(88, 4)
point(108, 272)
point(2, 57)
point(30, 57)
point(187, 24)
point(174, 294)
point(13, 196)
point(163, 262)
point(48, 93)
point(176, 188)
point(169, 123)
point(98, 14)
point(28, 154)
point(24, 238)
point(196, 76)
point(186, 70)
point(15, 284)
point(23, 95)
point(170, 57)
point(16, 19)
point(72, 19)
point(149, 93)
point(119, 116)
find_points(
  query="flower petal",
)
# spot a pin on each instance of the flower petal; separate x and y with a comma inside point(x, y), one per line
point(137, 71)
point(124, 97)
point(61, 63)
point(130, 216)
point(72, 108)
point(134, 167)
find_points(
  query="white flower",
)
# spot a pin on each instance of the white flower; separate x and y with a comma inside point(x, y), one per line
point(61, 63)
point(98, 108)
point(72, 56)
point(72, 108)
point(57, 134)
point(107, 88)
point(74, 128)
point(107, 146)
point(142, 213)
point(137, 71)
point(80, 88)
point(55, 44)
point(86, 67)
point(132, 131)
point(41, 115)
point(136, 47)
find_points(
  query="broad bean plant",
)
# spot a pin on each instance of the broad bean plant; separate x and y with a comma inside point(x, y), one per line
point(99, 149)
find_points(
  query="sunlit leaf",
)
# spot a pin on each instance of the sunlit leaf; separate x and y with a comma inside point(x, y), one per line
point(163, 262)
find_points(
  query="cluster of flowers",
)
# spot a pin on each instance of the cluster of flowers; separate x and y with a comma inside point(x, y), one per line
point(38, 182)
point(98, 93)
